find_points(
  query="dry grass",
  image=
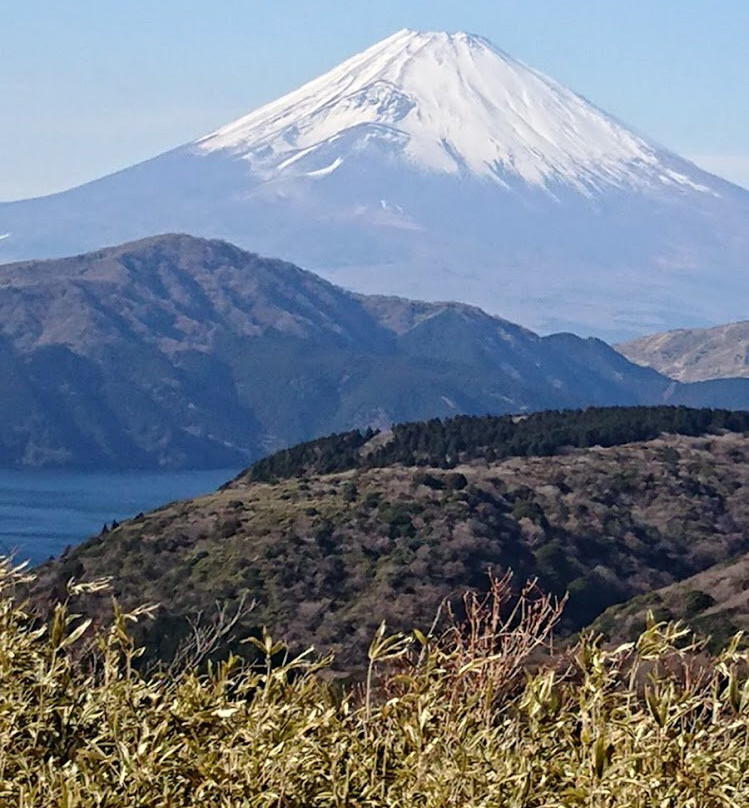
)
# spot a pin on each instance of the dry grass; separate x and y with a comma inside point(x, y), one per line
point(487, 714)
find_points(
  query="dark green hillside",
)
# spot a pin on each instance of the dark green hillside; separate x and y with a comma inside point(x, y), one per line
point(462, 439)
point(328, 555)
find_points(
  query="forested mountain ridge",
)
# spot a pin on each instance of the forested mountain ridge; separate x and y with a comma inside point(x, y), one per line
point(445, 443)
point(327, 556)
point(181, 352)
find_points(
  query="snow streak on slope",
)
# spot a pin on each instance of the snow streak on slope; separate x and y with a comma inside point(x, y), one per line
point(452, 104)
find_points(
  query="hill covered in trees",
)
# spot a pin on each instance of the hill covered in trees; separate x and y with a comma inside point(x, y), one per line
point(325, 554)
point(444, 443)
point(714, 603)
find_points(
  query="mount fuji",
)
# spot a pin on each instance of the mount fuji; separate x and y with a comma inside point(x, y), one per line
point(436, 166)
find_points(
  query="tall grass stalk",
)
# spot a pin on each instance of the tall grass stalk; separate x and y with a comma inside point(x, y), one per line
point(483, 714)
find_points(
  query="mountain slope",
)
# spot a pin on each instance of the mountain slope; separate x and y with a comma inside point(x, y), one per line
point(180, 352)
point(714, 603)
point(328, 555)
point(436, 166)
point(694, 355)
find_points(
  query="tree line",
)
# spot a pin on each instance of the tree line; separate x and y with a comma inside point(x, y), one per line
point(446, 443)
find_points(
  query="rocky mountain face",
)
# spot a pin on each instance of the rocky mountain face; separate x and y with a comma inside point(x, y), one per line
point(694, 355)
point(180, 352)
point(435, 166)
point(327, 556)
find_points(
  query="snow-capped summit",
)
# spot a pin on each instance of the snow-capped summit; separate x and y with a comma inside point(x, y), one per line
point(436, 166)
point(449, 103)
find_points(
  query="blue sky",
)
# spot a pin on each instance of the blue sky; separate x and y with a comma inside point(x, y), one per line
point(91, 86)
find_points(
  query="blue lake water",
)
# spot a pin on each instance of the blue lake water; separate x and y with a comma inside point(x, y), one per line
point(41, 512)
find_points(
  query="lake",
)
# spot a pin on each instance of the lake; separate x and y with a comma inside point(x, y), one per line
point(42, 512)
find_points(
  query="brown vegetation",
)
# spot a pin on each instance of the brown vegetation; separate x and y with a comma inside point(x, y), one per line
point(326, 558)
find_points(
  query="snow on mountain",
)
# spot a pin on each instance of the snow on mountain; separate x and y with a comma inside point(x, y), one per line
point(454, 105)
point(436, 166)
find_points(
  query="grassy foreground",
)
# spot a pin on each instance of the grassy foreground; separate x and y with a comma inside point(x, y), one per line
point(486, 714)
